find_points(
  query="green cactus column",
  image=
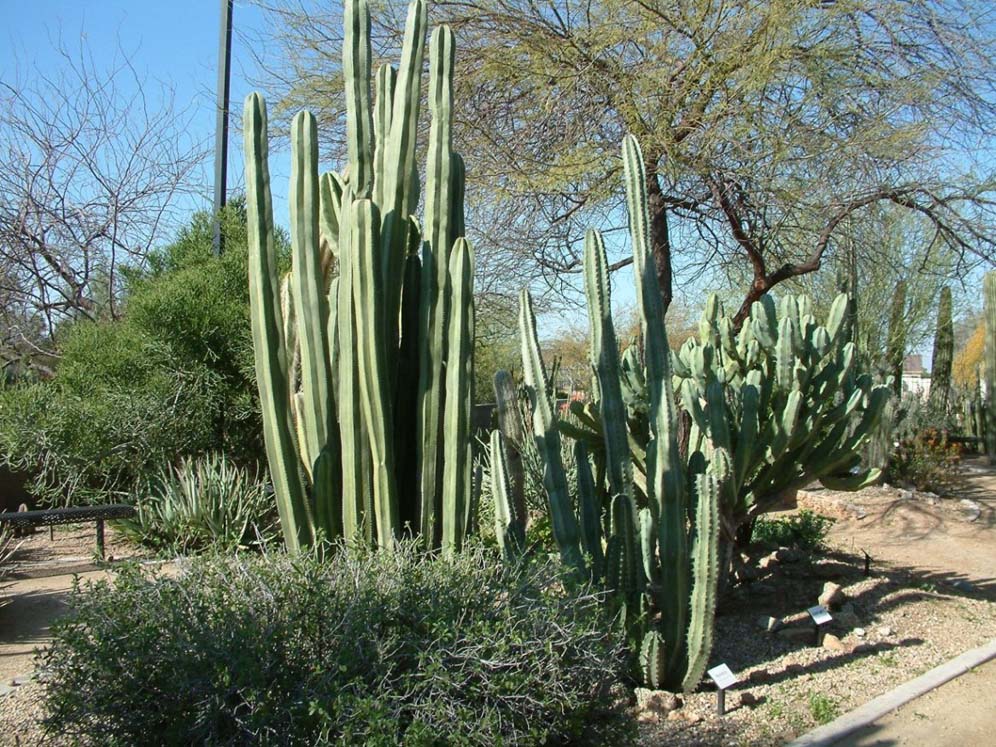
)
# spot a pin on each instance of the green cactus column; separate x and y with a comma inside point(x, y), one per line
point(989, 291)
point(940, 374)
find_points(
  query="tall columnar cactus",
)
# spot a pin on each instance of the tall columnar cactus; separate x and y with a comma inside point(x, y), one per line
point(896, 342)
point(363, 359)
point(989, 421)
point(940, 374)
point(660, 569)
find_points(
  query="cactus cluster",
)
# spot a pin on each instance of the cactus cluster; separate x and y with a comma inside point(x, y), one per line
point(363, 351)
point(783, 396)
point(660, 569)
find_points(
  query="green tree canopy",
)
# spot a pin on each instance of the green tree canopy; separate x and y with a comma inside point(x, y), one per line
point(769, 128)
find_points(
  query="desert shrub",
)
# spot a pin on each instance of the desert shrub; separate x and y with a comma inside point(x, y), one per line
point(805, 530)
point(172, 377)
point(364, 648)
point(203, 503)
point(925, 460)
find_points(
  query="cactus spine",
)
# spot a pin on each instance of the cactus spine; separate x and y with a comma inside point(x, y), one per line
point(339, 412)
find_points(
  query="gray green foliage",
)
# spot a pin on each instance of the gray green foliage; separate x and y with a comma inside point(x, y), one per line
point(364, 358)
point(207, 503)
point(363, 648)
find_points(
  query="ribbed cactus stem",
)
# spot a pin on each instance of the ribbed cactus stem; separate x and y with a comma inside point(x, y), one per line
point(268, 343)
point(457, 466)
point(547, 437)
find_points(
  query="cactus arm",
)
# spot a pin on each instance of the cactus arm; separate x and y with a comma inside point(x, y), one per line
point(375, 394)
point(605, 360)
point(705, 576)
point(510, 526)
point(435, 292)
point(513, 432)
point(399, 158)
point(459, 377)
point(353, 439)
point(590, 510)
point(383, 111)
point(330, 209)
point(547, 437)
point(308, 290)
point(665, 472)
point(359, 117)
point(270, 351)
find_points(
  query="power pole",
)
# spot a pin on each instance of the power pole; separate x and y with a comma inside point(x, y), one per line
point(221, 126)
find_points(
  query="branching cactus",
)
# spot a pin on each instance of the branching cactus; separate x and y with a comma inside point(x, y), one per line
point(632, 534)
point(363, 351)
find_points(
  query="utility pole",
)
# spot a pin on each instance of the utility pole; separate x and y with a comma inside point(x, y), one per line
point(221, 126)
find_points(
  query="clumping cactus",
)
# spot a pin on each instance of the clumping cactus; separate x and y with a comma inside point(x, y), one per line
point(661, 571)
point(363, 351)
point(940, 373)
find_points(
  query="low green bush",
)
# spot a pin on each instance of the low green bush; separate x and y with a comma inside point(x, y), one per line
point(172, 377)
point(804, 530)
point(201, 504)
point(363, 648)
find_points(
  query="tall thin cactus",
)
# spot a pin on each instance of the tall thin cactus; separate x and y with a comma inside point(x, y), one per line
point(989, 292)
point(352, 362)
point(940, 374)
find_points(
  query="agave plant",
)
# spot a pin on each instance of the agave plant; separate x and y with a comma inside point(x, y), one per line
point(203, 503)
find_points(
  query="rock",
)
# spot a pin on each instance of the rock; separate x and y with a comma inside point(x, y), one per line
point(832, 596)
point(803, 635)
point(970, 510)
point(962, 585)
point(790, 555)
point(768, 562)
point(760, 675)
point(748, 699)
point(693, 718)
point(657, 702)
point(885, 631)
point(860, 632)
point(863, 648)
point(931, 498)
point(905, 495)
point(769, 624)
point(675, 716)
point(833, 643)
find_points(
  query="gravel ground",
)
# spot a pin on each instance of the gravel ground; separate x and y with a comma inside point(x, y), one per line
point(911, 622)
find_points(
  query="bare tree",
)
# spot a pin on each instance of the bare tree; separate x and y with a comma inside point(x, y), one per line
point(94, 165)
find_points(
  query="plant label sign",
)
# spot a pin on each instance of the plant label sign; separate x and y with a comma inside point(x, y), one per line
point(722, 676)
point(819, 614)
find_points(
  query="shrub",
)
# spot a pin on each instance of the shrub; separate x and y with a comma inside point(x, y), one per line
point(805, 530)
point(203, 503)
point(926, 460)
point(173, 377)
point(365, 648)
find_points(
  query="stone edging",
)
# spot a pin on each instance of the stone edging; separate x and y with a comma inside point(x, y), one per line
point(829, 734)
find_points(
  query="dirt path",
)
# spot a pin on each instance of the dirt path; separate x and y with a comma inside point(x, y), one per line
point(949, 539)
point(957, 714)
point(34, 603)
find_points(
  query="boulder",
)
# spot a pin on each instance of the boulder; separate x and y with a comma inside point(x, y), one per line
point(832, 596)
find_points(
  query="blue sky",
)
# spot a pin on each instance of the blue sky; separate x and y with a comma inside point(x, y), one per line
point(174, 44)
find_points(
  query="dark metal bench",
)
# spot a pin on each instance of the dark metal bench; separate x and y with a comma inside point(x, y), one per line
point(75, 515)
